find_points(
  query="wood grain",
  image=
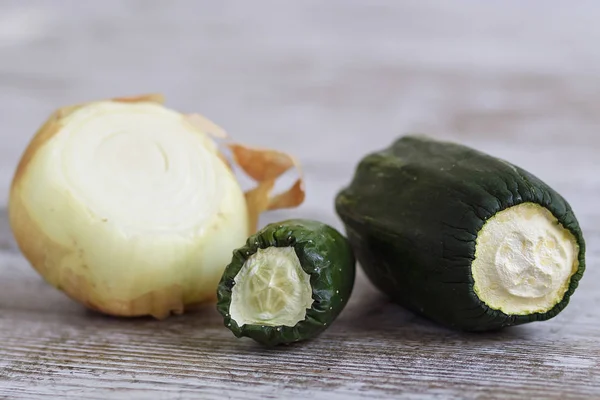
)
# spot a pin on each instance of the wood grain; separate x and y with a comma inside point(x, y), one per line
point(327, 81)
point(377, 350)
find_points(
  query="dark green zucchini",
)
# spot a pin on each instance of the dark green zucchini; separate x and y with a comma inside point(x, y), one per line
point(288, 283)
point(460, 237)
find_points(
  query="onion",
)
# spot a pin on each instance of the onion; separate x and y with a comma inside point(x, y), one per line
point(132, 209)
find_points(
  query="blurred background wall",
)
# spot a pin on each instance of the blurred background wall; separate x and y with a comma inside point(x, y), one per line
point(325, 80)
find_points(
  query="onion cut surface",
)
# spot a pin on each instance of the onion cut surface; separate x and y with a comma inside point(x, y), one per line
point(131, 208)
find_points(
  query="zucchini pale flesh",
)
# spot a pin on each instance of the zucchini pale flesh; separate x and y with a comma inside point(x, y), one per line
point(460, 237)
point(288, 283)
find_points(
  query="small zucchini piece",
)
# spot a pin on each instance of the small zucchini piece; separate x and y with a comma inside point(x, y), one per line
point(288, 283)
point(460, 237)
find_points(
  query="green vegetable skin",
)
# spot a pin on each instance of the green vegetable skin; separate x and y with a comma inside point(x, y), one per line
point(324, 254)
point(413, 213)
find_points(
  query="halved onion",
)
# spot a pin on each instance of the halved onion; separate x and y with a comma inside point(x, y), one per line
point(131, 209)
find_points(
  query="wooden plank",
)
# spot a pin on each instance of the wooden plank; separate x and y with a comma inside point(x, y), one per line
point(52, 346)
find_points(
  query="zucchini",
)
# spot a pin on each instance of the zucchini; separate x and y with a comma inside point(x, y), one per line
point(460, 237)
point(288, 283)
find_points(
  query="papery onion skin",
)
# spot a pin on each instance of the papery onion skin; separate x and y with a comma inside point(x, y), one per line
point(105, 264)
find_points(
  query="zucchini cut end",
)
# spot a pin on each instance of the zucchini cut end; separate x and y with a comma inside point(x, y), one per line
point(271, 289)
point(524, 260)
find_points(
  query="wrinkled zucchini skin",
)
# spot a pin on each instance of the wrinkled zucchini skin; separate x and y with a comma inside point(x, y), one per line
point(324, 253)
point(412, 213)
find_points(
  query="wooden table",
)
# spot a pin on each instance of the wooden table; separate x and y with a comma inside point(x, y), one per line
point(328, 81)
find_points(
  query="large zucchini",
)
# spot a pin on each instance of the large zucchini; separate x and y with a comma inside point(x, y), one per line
point(288, 283)
point(460, 237)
